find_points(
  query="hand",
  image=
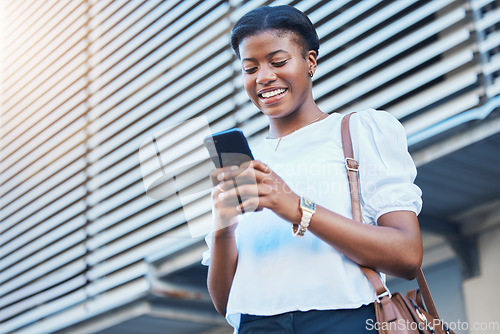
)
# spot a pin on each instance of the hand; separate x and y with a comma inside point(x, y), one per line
point(225, 208)
point(259, 187)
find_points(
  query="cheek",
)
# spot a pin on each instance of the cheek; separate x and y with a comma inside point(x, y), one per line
point(249, 85)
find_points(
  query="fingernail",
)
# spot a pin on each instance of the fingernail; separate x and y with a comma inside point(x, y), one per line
point(222, 195)
point(220, 177)
point(234, 167)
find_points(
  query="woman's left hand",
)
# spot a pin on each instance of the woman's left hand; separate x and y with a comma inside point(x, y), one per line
point(259, 187)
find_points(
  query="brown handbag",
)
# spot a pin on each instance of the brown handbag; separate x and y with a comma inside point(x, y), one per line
point(395, 313)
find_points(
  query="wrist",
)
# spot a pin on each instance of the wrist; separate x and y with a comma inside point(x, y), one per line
point(308, 208)
point(225, 228)
point(224, 233)
point(298, 212)
point(292, 212)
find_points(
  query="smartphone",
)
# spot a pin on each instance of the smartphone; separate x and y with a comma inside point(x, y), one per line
point(228, 148)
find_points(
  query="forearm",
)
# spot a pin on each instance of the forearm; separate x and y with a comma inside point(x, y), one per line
point(393, 247)
point(223, 261)
point(388, 249)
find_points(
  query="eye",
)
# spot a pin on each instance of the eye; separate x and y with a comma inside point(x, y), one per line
point(250, 70)
point(279, 63)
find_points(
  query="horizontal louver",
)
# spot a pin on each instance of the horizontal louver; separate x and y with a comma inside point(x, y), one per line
point(42, 207)
point(85, 84)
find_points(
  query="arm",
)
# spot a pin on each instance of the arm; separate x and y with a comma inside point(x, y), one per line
point(223, 261)
point(223, 254)
point(393, 247)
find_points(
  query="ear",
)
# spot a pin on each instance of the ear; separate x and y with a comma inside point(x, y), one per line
point(312, 63)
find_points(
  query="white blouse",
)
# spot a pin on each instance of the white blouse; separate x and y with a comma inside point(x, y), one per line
point(277, 272)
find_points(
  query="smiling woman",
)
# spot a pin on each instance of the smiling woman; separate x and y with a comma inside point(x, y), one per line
point(277, 78)
point(292, 265)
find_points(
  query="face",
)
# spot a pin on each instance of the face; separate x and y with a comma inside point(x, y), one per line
point(276, 73)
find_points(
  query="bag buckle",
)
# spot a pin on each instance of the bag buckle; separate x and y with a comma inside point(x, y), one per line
point(383, 294)
point(355, 165)
point(428, 325)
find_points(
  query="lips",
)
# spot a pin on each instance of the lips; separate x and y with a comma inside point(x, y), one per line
point(272, 93)
point(270, 96)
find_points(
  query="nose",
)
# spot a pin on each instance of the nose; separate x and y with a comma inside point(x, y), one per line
point(266, 75)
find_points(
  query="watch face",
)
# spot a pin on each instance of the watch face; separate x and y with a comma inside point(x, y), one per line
point(306, 203)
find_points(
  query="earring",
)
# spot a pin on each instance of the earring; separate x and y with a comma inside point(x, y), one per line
point(311, 74)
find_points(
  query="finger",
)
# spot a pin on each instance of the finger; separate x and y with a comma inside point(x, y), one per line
point(217, 190)
point(248, 185)
point(226, 199)
point(257, 203)
point(221, 188)
point(260, 166)
point(257, 165)
point(228, 185)
point(228, 173)
point(253, 177)
point(217, 175)
point(213, 176)
point(245, 173)
point(240, 193)
point(249, 205)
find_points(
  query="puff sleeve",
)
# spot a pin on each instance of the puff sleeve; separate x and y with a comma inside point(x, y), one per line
point(386, 169)
point(206, 254)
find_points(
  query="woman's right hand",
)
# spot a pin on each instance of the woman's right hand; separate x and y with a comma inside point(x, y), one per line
point(224, 253)
point(224, 207)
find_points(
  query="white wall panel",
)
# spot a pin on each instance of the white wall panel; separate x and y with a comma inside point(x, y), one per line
point(86, 83)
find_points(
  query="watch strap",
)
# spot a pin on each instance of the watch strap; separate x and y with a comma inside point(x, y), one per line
point(308, 208)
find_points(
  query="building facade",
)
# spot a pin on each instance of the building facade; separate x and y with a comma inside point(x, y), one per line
point(86, 84)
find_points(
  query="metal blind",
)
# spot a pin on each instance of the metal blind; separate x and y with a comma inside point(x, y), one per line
point(425, 62)
point(43, 163)
point(85, 83)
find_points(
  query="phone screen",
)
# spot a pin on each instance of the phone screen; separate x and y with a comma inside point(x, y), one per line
point(228, 148)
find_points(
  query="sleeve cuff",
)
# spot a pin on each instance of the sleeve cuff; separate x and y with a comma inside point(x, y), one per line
point(395, 208)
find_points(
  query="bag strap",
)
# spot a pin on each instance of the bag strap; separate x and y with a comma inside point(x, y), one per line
point(352, 176)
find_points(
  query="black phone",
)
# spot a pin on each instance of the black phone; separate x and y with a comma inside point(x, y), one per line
point(228, 148)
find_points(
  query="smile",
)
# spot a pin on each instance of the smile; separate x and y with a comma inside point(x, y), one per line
point(272, 93)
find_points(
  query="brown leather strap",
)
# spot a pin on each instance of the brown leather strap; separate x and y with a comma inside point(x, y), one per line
point(352, 176)
point(352, 168)
point(375, 280)
point(426, 294)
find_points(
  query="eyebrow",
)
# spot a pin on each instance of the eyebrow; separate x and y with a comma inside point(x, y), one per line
point(269, 55)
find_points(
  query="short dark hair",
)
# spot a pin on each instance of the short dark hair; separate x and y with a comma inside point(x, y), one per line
point(282, 19)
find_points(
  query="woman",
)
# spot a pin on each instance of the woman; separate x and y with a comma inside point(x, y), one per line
point(263, 276)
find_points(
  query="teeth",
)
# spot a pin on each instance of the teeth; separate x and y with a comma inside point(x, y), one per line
point(273, 93)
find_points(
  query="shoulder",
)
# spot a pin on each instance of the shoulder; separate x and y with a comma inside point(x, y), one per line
point(379, 120)
point(378, 127)
point(378, 133)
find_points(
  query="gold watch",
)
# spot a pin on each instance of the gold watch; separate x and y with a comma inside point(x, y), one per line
point(308, 208)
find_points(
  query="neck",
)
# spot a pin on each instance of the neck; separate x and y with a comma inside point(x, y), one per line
point(280, 127)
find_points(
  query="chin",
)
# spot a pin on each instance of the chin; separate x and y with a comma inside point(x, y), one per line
point(275, 111)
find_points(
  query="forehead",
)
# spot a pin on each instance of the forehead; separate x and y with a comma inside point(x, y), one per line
point(267, 42)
